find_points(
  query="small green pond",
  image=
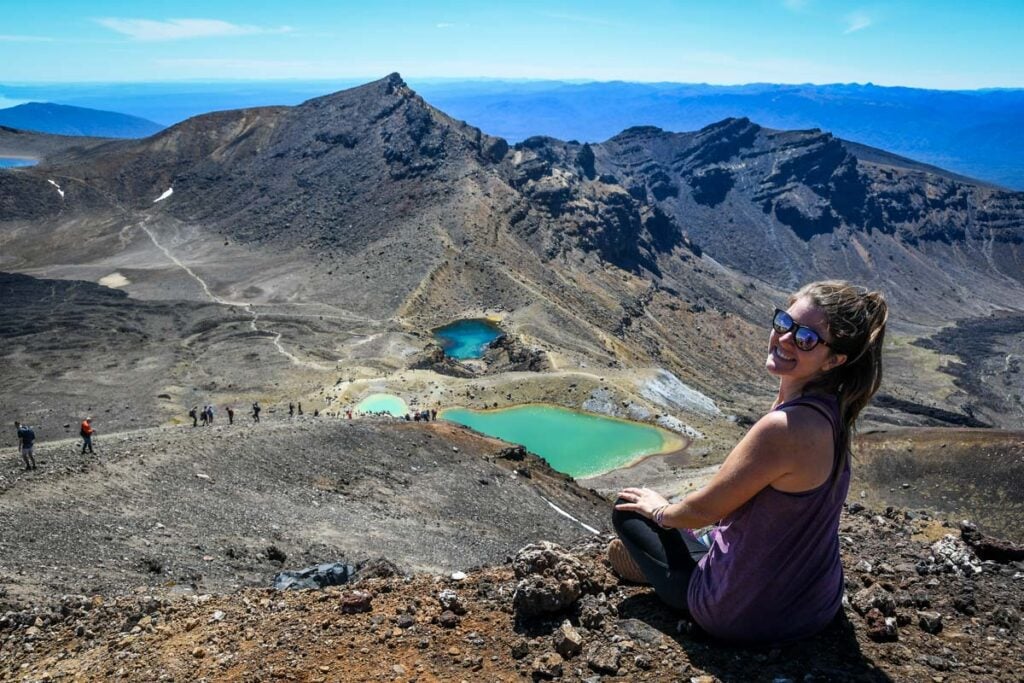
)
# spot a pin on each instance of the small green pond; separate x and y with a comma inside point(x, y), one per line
point(578, 444)
point(383, 403)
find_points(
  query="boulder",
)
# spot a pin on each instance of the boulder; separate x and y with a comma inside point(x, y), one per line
point(355, 602)
point(451, 601)
point(603, 659)
point(567, 641)
point(550, 580)
point(930, 622)
point(989, 548)
point(316, 577)
point(448, 619)
point(874, 597)
point(880, 628)
point(547, 667)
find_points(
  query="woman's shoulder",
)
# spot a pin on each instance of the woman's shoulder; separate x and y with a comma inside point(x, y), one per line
point(800, 420)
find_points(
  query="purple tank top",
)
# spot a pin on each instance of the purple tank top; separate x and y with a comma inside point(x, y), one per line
point(773, 572)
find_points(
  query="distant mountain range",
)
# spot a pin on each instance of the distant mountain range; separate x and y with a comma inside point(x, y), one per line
point(615, 253)
point(974, 133)
point(60, 119)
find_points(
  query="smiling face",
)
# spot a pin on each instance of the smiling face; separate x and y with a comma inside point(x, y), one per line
point(791, 364)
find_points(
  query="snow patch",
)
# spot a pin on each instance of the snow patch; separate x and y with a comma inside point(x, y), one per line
point(167, 193)
point(566, 514)
point(668, 391)
point(54, 183)
point(114, 280)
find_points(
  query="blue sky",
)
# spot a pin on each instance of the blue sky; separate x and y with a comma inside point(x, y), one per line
point(933, 44)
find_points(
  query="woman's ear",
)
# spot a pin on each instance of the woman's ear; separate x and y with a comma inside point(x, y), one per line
point(834, 361)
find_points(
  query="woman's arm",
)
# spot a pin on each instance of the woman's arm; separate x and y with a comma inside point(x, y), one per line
point(771, 449)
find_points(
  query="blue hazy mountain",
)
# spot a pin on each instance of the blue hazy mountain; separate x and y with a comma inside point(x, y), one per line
point(975, 133)
point(60, 119)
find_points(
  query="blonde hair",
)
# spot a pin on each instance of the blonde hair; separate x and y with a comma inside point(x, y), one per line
point(856, 320)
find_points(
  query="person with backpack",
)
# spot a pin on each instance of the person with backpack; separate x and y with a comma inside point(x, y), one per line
point(256, 411)
point(231, 414)
point(87, 432)
point(194, 414)
point(26, 442)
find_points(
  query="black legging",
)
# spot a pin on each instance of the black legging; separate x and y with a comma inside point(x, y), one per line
point(667, 557)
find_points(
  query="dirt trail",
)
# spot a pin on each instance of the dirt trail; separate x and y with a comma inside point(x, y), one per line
point(248, 307)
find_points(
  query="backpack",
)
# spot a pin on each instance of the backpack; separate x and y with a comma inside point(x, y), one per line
point(27, 434)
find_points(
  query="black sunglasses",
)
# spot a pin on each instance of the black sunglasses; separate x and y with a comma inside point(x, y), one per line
point(804, 337)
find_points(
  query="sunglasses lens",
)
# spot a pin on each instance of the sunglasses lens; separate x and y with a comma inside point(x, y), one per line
point(782, 323)
point(805, 338)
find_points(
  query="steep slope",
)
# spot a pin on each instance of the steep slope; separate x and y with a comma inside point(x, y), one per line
point(62, 119)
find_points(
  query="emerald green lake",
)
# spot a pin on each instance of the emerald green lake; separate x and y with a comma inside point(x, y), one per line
point(383, 403)
point(578, 444)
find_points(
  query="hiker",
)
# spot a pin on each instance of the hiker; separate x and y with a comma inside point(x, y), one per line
point(300, 407)
point(87, 432)
point(26, 443)
point(209, 414)
point(348, 413)
point(770, 571)
point(255, 411)
point(194, 415)
point(204, 417)
point(291, 409)
point(231, 414)
point(433, 414)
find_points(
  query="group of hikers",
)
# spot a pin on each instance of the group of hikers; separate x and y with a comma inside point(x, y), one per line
point(27, 441)
point(205, 416)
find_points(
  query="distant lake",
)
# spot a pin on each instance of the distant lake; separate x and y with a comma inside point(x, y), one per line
point(11, 162)
point(467, 338)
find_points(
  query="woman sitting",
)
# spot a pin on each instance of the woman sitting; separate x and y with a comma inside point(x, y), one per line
point(770, 571)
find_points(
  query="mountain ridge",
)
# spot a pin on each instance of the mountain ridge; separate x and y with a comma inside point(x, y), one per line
point(62, 119)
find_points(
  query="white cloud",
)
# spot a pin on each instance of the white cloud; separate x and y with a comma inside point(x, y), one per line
point(857, 21)
point(24, 39)
point(179, 29)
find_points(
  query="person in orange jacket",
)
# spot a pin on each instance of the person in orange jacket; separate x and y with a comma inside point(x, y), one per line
point(87, 432)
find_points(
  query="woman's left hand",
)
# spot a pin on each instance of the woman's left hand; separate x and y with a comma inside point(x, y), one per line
point(644, 501)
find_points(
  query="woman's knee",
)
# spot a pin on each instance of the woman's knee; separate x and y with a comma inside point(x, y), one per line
point(620, 517)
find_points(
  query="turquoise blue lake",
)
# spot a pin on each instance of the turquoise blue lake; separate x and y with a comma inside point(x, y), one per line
point(467, 338)
point(383, 403)
point(9, 162)
point(578, 444)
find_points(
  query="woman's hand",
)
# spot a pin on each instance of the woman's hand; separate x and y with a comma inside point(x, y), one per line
point(644, 501)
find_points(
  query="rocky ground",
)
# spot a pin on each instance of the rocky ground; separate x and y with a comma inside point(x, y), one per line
point(212, 509)
point(921, 605)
